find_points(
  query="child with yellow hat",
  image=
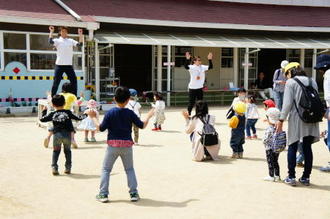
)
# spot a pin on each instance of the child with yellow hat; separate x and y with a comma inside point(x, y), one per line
point(237, 123)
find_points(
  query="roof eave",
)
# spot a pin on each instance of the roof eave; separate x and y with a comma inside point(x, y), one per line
point(136, 21)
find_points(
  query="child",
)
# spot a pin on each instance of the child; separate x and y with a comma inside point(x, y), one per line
point(241, 94)
point(194, 128)
point(70, 99)
point(87, 124)
point(252, 116)
point(118, 121)
point(159, 111)
point(325, 136)
point(237, 123)
point(273, 116)
point(135, 107)
point(63, 128)
point(269, 104)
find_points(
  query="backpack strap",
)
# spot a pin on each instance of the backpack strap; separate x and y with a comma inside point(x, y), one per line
point(278, 73)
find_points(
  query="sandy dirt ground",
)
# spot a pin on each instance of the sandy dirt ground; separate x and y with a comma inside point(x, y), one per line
point(171, 185)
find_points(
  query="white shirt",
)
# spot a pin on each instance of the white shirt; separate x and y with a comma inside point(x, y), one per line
point(326, 87)
point(159, 105)
point(64, 47)
point(197, 76)
point(134, 106)
point(252, 111)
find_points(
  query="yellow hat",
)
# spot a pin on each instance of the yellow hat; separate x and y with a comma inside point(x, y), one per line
point(240, 107)
point(291, 65)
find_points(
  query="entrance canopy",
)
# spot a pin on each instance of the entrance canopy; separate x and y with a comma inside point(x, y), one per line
point(230, 41)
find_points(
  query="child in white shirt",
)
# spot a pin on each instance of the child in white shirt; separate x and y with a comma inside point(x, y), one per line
point(159, 116)
point(252, 116)
point(135, 107)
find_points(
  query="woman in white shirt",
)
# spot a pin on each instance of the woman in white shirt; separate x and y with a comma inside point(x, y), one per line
point(194, 127)
point(197, 77)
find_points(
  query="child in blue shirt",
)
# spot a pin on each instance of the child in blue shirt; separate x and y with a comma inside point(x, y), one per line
point(118, 121)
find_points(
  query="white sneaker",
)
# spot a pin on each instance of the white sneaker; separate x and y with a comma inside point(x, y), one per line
point(326, 168)
point(277, 179)
point(269, 178)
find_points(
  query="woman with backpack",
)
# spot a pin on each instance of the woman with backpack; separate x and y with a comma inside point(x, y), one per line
point(196, 126)
point(302, 126)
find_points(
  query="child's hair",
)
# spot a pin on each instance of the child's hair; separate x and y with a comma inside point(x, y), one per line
point(122, 94)
point(58, 100)
point(202, 109)
point(241, 90)
point(252, 99)
point(158, 96)
point(66, 87)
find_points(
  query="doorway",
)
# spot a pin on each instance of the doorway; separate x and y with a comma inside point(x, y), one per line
point(269, 60)
point(133, 66)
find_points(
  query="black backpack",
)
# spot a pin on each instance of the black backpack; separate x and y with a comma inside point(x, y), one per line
point(311, 109)
point(209, 135)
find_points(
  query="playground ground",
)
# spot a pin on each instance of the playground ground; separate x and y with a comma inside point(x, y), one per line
point(171, 185)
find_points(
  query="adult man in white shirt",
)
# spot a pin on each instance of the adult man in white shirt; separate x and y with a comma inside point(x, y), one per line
point(64, 54)
point(197, 78)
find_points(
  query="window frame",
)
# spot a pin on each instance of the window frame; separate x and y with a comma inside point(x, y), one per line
point(28, 50)
point(227, 57)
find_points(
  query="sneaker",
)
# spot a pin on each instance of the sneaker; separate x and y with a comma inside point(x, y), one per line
point(304, 181)
point(234, 156)
point(300, 164)
point(102, 198)
point(93, 139)
point(248, 138)
point(55, 172)
point(74, 145)
point(325, 169)
point(135, 197)
point(67, 171)
point(46, 142)
point(240, 155)
point(154, 129)
point(254, 137)
point(277, 178)
point(290, 181)
point(269, 178)
point(86, 140)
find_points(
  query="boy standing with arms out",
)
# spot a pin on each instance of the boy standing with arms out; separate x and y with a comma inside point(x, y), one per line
point(62, 131)
point(119, 122)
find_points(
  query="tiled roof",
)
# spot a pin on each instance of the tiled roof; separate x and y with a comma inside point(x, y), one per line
point(205, 11)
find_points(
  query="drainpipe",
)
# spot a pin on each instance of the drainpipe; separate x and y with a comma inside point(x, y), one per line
point(68, 9)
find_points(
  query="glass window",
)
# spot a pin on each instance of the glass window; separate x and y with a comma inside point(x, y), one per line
point(308, 58)
point(227, 57)
point(293, 55)
point(43, 61)
point(40, 42)
point(77, 62)
point(12, 56)
point(14, 41)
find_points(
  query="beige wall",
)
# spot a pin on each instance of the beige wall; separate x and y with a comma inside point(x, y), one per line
point(217, 78)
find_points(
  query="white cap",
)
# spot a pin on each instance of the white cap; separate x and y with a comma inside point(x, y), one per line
point(273, 115)
point(284, 63)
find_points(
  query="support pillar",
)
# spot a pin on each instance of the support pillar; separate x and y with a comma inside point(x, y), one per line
point(97, 71)
point(159, 68)
point(246, 69)
point(168, 99)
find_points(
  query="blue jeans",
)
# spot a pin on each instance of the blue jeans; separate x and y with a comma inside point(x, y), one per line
point(250, 124)
point(308, 153)
point(126, 155)
point(278, 97)
point(60, 138)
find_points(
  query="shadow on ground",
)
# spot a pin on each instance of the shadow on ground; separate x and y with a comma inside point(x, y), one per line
point(155, 203)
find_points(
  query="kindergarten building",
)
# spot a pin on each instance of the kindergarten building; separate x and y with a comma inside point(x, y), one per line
point(142, 44)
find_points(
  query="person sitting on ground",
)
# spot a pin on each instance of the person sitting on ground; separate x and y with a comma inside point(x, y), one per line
point(262, 84)
point(194, 127)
